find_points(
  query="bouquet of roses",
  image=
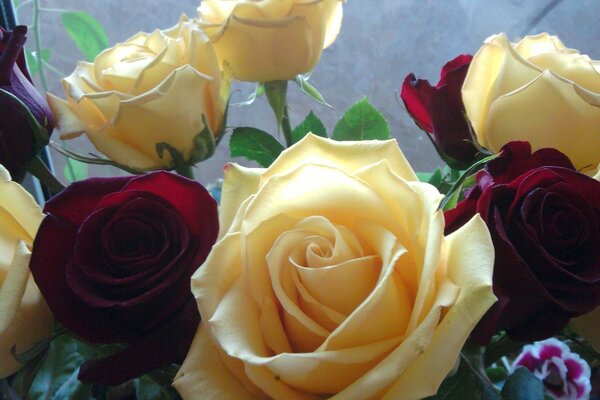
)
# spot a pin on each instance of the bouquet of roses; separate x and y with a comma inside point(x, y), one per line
point(333, 270)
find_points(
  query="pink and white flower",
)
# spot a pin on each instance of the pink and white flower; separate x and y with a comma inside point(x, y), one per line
point(565, 375)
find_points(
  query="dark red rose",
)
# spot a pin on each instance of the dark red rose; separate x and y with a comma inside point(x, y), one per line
point(544, 219)
point(439, 111)
point(114, 258)
point(19, 142)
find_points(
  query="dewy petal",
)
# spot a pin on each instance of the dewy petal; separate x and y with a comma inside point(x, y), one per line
point(239, 183)
point(204, 374)
point(372, 322)
point(346, 156)
point(470, 263)
point(510, 116)
point(534, 45)
point(21, 205)
point(31, 323)
point(260, 51)
point(67, 120)
point(334, 24)
point(12, 286)
point(574, 67)
point(495, 70)
point(168, 113)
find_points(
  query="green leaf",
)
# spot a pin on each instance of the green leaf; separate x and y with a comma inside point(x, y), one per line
point(148, 388)
point(465, 384)
point(255, 145)
point(57, 377)
point(32, 62)
point(496, 374)
point(76, 171)
point(436, 178)
point(87, 33)
point(16, 3)
point(310, 124)
point(424, 176)
point(362, 121)
point(523, 385)
point(309, 90)
point(457, 186)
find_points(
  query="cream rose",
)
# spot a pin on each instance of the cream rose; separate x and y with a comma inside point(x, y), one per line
point(154, 88)
point(24, 316)
point(332, 277)
point(539, 91)
point(268, 40)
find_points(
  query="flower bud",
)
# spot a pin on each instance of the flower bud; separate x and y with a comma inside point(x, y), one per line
point(20, 139)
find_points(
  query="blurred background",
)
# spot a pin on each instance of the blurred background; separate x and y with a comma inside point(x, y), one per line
point(380, 43)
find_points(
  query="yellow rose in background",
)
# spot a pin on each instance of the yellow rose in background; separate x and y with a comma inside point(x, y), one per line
point(154, 88)
point(269, 40)
point(539, 91)
point(332, 277)
point(587, 326)
point(24, 316)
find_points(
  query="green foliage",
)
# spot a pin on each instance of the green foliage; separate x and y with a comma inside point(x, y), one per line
point(466, 384)
point(76, 171)
point(56, 377)
point(310, 124)
point(32, 61)
point(302, 82)
point(523, 385)
point(87, 33)
point(146, 388)
point(362, 121)
point(255, 145)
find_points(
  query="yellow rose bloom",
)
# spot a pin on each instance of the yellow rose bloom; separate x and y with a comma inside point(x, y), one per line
point(332, 277)
point(268, 40)
point(24, 316)
point(153, 88)
point(538, 91)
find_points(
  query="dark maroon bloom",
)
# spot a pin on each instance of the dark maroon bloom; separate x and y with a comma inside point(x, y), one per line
point(114, 258)
point(544, 219)
point(439, 111)
point(19, 141)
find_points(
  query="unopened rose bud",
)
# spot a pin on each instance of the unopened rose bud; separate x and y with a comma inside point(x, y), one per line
point(19, 139)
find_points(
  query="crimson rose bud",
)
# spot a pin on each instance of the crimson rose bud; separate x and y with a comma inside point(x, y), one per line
point(544, 219)
point(114, 258)
point(439, 111)
point(19, 141)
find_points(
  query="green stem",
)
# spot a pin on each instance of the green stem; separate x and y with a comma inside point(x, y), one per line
point(38, 168)
point(286, 126)
point(38, 43)
point(185, 170)
point(40, 62)
point(473, 355)
point(276, 92)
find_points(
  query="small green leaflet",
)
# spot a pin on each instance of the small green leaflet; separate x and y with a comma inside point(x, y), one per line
point(466, 384)
point(310, 124)
point(75, 170)
point(32, 61)
point(255, 145)
point(362, 121)
point(87, 33)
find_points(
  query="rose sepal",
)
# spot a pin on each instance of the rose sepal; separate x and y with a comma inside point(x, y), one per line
point(301, 80)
